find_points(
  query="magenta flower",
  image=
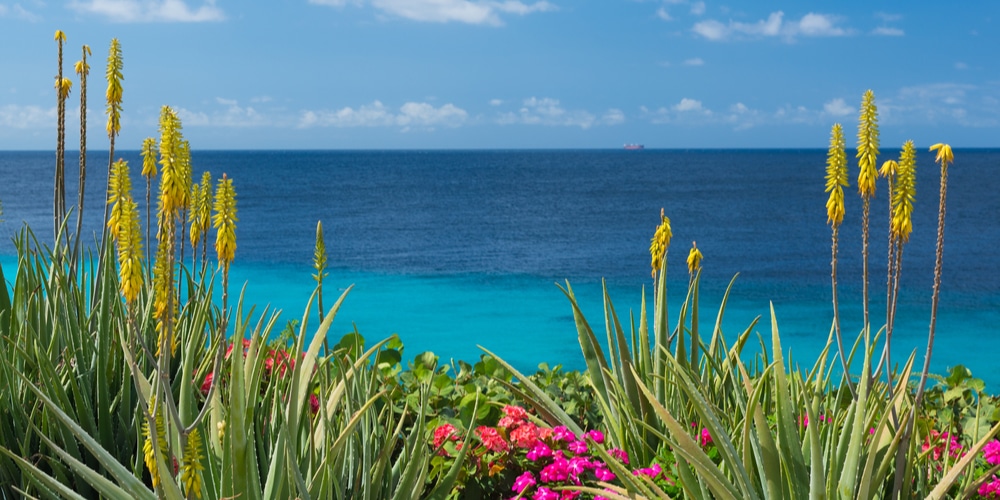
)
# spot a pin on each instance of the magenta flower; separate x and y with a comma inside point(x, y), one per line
point(652, 472)
point(578, 447)
point(596, 435)
point(562, 433)
point(578, 465)
point(544, 493)
point(990, 489)
point(706, 438)
point(540, 451)
point(991, 452)
point(556, 471)
point(619, 454)
point(604, 474)
point(524, 481)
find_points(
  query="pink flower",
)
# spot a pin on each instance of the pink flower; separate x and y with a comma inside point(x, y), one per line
point(990, 489)
point(544, 493)
point(562, 433)
point(652, 472)
point(556, 471)
point(578, 447)
point(491, 439)
point(540, 451)
point(568, 495)
point(313, 404)
point(619, 454)
point(604, 474)
point(524, 436)
point(524, 481)
point(579, 465)
point(596, 435)
point(443, 432)
point(207, 384)
point(991, 452)
point(706, 438)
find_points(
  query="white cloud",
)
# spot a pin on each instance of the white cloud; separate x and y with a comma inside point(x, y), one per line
point(136, 11)
point(496, 102)
point(695, 61)
point(961, 65)
point(232, 115)
point(887, 17)
point(811, 24)
point(698, 8)
point(663, 14)
point(613, 116)
point(25, 117)
point(260, 99)
point(688, 105)
point(837, 107)
point(444, 11)
point(887, 31)
point(376, 114)
point(548, 111)
point(18, 12)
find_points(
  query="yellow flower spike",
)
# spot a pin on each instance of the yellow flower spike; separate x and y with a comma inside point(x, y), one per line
point(204, 203)
point(225, 221)
point(171, 184)
point(193, 217)
point(659, 243)
point(694, 258)
point(191, 469)
point(130, 253)
point(113, 95)
point(868, 143)
point(121, 190)
point(63, 87)
point(149, 453)
point(889, 169)
point(149, 157)
point(836, 176)
point(905, 192)
point(60, 36)
point(944, 154)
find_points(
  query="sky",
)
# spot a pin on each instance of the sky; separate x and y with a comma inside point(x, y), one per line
point(471, 74)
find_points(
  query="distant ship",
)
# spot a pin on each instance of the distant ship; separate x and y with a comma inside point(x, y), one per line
point(634, 147)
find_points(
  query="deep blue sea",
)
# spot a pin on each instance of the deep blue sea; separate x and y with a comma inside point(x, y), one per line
point(454, 249)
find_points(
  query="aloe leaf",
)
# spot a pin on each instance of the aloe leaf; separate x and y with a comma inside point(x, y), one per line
point(539, 397)
point(789, 444)
point(100, 483)
point(593, 355)
point(123, 475)
point(691, 451)
point(42, 478)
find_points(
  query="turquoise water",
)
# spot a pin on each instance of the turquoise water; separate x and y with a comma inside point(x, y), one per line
point(451, 250)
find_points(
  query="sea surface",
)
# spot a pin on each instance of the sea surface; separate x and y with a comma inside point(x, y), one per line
point(452, 250)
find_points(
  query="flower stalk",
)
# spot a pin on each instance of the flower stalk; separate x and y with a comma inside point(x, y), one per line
point(836, 180)
point(867, 155)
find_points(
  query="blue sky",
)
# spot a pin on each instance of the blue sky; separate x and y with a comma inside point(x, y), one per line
point(347, 74)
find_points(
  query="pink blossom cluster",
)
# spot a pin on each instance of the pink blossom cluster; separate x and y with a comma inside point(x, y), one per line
point(940, 442)
point(991, 488)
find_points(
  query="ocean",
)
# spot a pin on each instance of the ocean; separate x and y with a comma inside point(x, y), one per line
point(455, 249)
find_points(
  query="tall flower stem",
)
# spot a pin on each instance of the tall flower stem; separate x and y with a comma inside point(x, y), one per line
point(82, 69)
point(944, 157)
point(836, 180)
point(59, 190)
point(867, 155)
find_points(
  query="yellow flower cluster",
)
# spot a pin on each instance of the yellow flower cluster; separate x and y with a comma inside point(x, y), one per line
point(192, 467)
point(694, 258)
point(201, 211)
point(81, 67)
point(114, 93)
point(944, 154)
point(63, 86)
point(149, 157)
point(836, 176)
point(225, 221)
point(120, 189)
point(867, 145)
point(172, 190)
point(149, 453)
point(904, 192)
point(658, 245)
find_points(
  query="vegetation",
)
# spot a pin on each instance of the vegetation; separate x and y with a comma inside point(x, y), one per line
point(136, 376)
